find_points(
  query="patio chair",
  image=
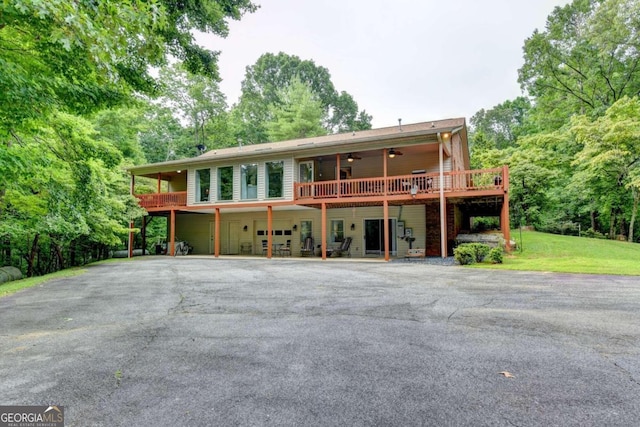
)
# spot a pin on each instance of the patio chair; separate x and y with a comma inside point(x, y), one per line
point(307, 247)
point(344, 248)
point(265, 247)
point(286, 249)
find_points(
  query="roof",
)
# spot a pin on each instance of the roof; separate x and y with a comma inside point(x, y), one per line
point(347, 142)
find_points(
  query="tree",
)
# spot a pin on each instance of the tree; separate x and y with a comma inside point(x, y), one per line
point(298, 116)
point(501, 125)
point(585, 60)
point(608, 167)
point(197, 99)
point(263, 85)
point(83, 56)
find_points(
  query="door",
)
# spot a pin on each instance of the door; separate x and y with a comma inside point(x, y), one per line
point(234, 238)
point(374, 236)
point(305, 175)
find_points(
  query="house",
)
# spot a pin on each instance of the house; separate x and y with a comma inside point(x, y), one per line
point(389, 189)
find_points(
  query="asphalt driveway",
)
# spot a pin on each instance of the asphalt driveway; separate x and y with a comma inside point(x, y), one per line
point(201, 341)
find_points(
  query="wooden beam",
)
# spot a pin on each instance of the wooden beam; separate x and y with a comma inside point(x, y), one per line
point(324, 230)
point(216, 237)
point(172, 233)
point(443, 202)
point(269, 231)
point(504, 214)
point(385, 210)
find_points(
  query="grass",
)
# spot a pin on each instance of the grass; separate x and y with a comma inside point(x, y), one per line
point(17, 285)
point(570, 254)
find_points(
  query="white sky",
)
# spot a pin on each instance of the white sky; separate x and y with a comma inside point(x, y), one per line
point(410, 59)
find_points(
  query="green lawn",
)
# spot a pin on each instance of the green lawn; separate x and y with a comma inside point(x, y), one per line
point(570, 254)
point(17, 285)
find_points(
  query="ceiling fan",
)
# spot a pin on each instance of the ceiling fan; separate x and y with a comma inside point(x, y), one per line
point(393, 152)
point(351, 157)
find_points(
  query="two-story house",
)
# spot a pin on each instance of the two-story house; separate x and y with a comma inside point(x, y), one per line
point(386, 189)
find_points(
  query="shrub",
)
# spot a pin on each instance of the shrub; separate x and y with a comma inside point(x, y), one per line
point(496, 256)
point(465, 254)
point(480, 251)
point(593, 234)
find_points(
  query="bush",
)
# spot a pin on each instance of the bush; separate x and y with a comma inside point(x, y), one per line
point(496, 256)
point(480, 251)
point(484, 223)
point(465, 254)
point(593, 234)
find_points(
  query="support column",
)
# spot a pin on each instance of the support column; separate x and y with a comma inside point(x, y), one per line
point(130, 240)
point(338, 173)
point(172, 234)
point(504, 214)
point(386, 229)
point(269, 231)
point(159, 182)
point(144, 235)
point(384, 168)
point(324, 231)
point(216, 238)
point(443, 202)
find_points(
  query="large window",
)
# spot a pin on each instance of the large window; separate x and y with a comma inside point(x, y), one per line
point(274, 177)
point(225, 183)
point(203, 184)
point(249, 181)
point(337, 231)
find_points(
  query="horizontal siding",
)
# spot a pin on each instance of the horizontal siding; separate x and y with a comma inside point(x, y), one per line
point(195, 228)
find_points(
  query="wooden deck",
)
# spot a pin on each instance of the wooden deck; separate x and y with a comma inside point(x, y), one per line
point(395, 189)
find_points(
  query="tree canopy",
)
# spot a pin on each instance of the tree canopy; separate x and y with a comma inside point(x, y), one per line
point(263, 86)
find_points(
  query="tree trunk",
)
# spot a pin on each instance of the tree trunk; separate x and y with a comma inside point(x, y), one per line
point(612, 222)
point(32, 255)
point(59, 255)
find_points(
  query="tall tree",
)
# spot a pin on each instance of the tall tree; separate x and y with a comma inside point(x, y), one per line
point(608, 167)
point(585, 60)
point(262, 87)
point(81, 56)
point(298, 116)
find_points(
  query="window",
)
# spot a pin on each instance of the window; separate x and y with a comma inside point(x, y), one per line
point(249, 181)
point(225, 183)
point(203, 183)
point(274, 177)
point(306, 230)
point(337, 231)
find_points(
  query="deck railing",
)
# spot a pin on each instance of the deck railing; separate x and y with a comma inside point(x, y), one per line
point(458, 181)
point(158, 200)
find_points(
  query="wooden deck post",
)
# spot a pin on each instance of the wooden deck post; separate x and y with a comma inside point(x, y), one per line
point(143, 232)
point(385, 209)
point(130, 241)
point(172, 234)
point(216, 238)
point(504, 214)
point(443, 202)
point(269, 231)
point(324, 230)
point(159, 182)
point(338, 172)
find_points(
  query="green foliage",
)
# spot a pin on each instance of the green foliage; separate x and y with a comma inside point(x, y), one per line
point(464, 254)
point(584, 61)
point(480, 250)
point(482, 223)
point(591, 233)
point(263, 87)
point(298, 115)
point(496, 256)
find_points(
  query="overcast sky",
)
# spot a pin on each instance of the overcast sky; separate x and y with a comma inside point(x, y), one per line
point(418, 60)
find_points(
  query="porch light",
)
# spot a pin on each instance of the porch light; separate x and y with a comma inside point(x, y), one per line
point(349, 158)
point(245, 228)
point(392, 153)
point(295, 227)
point(179, 171)
point(353, 227)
